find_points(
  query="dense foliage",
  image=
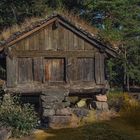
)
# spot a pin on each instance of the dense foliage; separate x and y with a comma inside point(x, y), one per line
point(118, 21)
point(21, 119)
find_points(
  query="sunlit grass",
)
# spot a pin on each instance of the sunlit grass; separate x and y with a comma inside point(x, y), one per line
point(108, 130)
point(130, 111)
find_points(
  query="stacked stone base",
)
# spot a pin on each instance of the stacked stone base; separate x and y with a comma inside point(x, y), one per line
point(56, 109)
point(100, 103)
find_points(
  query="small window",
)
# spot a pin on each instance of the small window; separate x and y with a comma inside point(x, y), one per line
point(55, 70)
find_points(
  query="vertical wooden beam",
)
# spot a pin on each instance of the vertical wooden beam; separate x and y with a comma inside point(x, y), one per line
point(38, 69)
point(97, 68)
point(102, 68)
point(11, 68)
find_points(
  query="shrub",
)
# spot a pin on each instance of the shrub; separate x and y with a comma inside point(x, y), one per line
point(22, 119)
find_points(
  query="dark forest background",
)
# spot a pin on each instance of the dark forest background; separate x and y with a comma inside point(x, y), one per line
point(118, 22)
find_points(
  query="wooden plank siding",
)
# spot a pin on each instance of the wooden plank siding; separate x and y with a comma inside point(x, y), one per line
point(38, 69)
point(54, 39)
point(11, 65)
point(25, 70)
point(54, 70)
point(55, 54)
point(85, 69)
point(99, 68)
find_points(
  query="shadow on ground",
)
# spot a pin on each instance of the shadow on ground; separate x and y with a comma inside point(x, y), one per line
point(115, 129)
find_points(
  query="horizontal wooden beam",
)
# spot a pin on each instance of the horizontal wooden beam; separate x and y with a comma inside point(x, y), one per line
point(51, 54)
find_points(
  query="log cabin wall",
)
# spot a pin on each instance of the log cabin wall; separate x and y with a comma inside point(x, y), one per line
point(54, 54)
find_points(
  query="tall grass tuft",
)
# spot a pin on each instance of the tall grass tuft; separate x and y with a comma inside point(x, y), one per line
point(130, 111)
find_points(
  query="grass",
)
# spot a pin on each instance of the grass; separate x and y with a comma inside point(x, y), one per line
point(115, 129)
point(130, 111)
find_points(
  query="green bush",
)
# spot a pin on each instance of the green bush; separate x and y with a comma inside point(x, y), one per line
point(22, 119)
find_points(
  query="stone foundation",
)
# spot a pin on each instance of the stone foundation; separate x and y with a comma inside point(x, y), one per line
point(56, 109)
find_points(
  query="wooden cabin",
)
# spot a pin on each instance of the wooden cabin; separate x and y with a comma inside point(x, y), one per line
point(55, 53)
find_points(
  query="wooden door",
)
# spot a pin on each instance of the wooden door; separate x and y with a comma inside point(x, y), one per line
point(54, 70)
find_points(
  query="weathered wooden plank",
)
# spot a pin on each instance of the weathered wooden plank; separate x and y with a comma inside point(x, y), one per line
point(20, 45)
point(102, 69)
point(38, 69)
point(54, 70)
point(25, 68)
point(50, 35)
point(66, 37)
point(55, 38)
point(75, 42)
point(55, 53)
point(31, 42)
point(71, 40)
point(81, 43)
point(71, 69)
point(46, 39)
point(27, 44)
point(41, 37)
point(31, 32)
point(88, 46)
point(97, 68)
point(79, 68)
point(29, 69)
point(36, 41)
point(11, 67)
point(85, 69)
point(61, 38)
